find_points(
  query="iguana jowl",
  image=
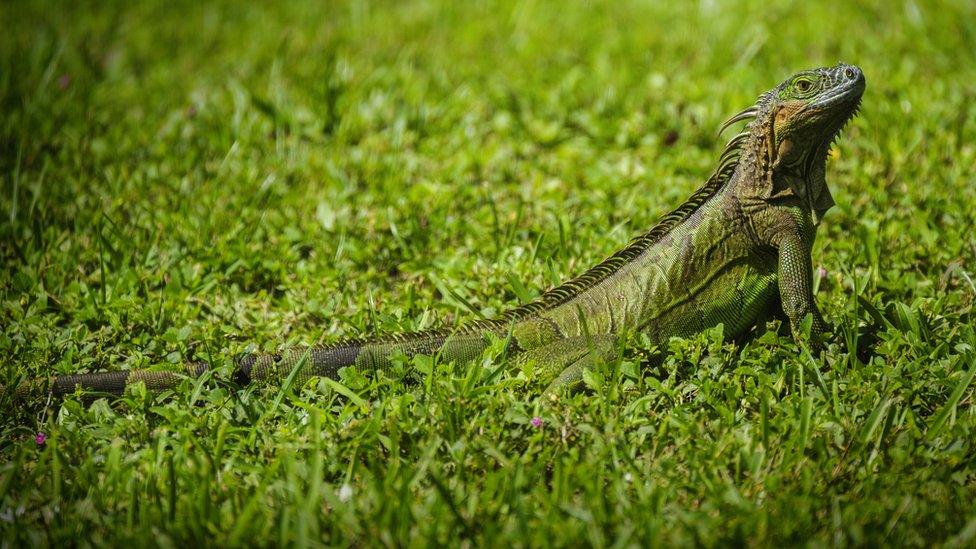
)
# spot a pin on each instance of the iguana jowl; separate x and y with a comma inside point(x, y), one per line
point(735, 251)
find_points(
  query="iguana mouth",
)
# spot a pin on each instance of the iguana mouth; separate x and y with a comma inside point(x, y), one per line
point(847, 92)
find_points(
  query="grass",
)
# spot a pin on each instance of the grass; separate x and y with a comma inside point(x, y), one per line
point(202, 179)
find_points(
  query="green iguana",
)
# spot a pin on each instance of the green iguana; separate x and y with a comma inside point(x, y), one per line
point(735, 252)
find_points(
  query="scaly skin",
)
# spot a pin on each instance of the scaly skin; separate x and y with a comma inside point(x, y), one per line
point(736, 252)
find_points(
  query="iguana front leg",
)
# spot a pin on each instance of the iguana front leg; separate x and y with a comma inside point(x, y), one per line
point(796, 288)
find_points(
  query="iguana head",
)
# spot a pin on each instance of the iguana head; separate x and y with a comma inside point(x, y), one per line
point(793, 127)
point(808, 110)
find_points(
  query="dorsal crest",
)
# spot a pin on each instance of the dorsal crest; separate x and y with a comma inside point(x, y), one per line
point(568, 290)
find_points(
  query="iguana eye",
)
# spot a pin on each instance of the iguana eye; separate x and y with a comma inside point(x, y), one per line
point(803, 86)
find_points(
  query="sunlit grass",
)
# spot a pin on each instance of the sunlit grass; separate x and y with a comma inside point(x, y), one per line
point(202, 180)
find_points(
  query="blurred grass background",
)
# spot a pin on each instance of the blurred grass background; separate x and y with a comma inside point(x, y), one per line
point(200, 179)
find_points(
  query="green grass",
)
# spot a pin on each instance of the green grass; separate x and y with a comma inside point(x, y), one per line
point(207, 179)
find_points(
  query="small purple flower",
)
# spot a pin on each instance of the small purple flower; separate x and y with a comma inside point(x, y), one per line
point(536, 422)
point(40, 438)
point(64, 81)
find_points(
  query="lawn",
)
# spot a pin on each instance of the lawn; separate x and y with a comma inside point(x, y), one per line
point(195, 180)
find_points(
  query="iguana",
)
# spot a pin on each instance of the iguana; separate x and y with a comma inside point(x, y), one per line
point(736, 251)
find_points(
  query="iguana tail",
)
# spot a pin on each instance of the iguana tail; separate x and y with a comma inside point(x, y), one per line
point(326, 361)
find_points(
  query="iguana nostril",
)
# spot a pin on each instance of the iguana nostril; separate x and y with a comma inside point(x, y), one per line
point(850, 73)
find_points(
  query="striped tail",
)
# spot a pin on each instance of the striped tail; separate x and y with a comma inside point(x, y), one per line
point(367, 355)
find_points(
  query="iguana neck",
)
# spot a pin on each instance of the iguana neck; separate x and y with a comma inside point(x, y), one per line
point(769, 171)
point(807, 183)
